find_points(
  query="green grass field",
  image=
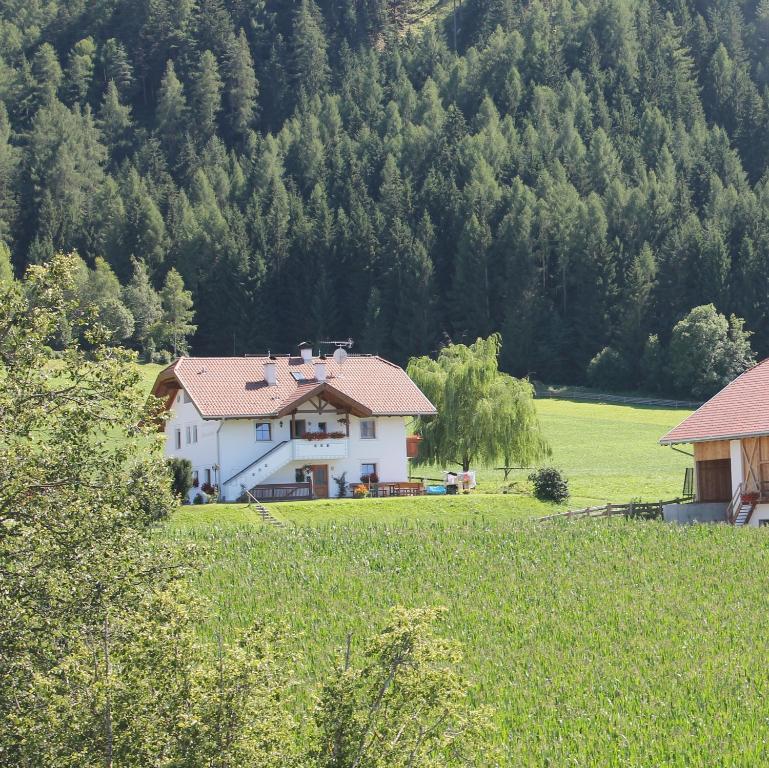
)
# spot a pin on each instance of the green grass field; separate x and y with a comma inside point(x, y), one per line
point(596, 643)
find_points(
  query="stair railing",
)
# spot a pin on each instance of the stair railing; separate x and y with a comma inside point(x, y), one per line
point(734, 505)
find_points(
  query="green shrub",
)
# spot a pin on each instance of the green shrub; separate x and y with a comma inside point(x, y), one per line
point(608, 370)
point(181, 476)
point(550, 485)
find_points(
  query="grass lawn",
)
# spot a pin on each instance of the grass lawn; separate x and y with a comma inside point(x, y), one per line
point(610, 453)
point(475, 506)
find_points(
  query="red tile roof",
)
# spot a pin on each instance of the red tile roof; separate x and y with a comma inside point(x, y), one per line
point(235, 387)
point(741, 409)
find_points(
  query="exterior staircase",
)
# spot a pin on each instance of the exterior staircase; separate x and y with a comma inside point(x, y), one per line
point(744, 513)
point(741, 507)
point(257, 471)
point(264, 513)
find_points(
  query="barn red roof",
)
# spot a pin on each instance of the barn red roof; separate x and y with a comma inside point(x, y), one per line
point(235, 387)
point(740, 409)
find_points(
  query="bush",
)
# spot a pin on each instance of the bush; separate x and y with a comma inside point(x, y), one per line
point(550, 485)
point(341, 485)
point(608, 370)
point(707, 351)
point(181, 476)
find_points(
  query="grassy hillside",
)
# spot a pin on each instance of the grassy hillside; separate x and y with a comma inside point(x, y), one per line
point(596, 643)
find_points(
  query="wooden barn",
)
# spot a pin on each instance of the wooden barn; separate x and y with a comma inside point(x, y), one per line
point(730, 439)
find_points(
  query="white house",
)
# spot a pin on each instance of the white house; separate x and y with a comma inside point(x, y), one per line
point(286, 426)
point(730, 439)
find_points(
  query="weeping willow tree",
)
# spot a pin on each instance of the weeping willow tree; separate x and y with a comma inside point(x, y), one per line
point(484, 415)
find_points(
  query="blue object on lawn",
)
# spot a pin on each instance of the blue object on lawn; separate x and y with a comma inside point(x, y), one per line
point(436, 490)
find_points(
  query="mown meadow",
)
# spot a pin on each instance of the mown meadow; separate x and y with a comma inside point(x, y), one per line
point(596, 643)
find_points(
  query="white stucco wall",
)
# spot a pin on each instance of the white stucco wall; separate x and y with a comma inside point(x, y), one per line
point(387, 450)
point(761, 512)
point(236, 447)
point(203, 453)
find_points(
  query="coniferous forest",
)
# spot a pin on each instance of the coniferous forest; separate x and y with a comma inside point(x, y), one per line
point(575, 175)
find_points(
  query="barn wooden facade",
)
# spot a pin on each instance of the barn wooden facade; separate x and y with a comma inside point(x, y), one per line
point(730, 439)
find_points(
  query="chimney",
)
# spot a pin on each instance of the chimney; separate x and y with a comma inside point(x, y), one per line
point(320, 368)
point(305, 350)
point(271, 371)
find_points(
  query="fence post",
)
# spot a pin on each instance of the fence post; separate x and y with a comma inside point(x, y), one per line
point(608, 510)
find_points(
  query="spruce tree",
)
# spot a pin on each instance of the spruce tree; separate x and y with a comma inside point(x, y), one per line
point(206, 96)
point(171, 111)
point(242, 86)
point(115, 121)
point(143, 301)
point(310, 59)
point(177, 314)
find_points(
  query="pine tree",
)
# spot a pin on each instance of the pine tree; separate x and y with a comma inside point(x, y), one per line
point(115, 121)
point(171, 111)
point(176, 320)
point(80, 69)
point(206, 96)
point(47, 73)
point(242, 86)
point(143, 301)
point(116, 66)
point(310, 59)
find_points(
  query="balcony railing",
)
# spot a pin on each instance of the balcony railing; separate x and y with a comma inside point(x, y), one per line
point(331, 448)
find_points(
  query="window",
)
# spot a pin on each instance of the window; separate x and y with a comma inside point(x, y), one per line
point(298, 376)
point(195, 434)
point(762, 523)
point(300, 427)
point(188, 435)
point(263, 432)
point(368, 429)
point(187, 398)
point(178, 436)
point(322, 426)
point(208, 477)
point(179, 398)
point(368, 473)
point(195, 477)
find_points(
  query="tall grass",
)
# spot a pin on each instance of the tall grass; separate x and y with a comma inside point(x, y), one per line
point(598, 644)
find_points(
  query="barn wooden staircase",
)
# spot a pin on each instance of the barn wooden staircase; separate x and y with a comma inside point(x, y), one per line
point(740, 508)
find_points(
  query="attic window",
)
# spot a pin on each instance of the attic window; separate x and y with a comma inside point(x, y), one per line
point(298, 376)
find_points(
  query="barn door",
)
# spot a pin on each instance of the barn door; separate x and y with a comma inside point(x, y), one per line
point(714, 480)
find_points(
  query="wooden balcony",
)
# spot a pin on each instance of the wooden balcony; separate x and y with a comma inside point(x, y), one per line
point(316, 451)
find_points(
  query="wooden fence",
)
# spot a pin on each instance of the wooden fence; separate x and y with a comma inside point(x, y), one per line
point(571, 393)
point(639, 510)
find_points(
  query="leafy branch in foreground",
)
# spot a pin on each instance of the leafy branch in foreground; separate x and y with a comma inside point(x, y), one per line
point(405, 705)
